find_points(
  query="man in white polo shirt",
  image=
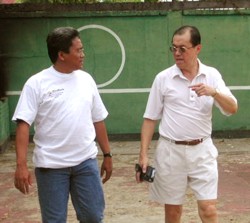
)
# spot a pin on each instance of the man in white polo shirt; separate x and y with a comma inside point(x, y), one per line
point(182, 98)
point(68, 115)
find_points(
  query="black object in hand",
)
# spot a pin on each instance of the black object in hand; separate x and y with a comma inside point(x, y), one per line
point(148, 176)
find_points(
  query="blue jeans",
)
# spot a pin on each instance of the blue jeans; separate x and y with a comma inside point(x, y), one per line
point(82, 182)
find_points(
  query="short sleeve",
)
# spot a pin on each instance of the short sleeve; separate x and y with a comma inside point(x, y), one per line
point(99, 111)
point(155, 101)
point(27, 105)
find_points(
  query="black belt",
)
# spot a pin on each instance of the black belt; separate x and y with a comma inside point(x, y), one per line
point(193, 142)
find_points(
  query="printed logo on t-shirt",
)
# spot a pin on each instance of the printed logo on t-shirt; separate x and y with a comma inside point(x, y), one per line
point(53, 94)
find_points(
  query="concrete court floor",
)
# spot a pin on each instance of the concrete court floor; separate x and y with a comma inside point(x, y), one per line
point(127, 201)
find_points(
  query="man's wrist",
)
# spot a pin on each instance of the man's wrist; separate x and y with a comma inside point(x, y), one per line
point(216, 92)
point(109, 154)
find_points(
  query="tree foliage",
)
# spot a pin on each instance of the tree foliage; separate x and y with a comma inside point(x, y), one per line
point(76, 1)
point(95, 1)
point(53, 1)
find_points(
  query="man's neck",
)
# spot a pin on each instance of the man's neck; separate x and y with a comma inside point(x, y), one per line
point(191, 72)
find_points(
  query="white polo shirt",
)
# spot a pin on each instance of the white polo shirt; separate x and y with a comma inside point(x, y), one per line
point(184, 115)
point(63, 108)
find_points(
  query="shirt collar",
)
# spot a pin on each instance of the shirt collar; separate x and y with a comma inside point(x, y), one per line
point(177, 71)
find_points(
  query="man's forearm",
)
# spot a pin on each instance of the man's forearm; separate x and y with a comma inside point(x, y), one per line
point(147, 133)
point(102, 136)
point(226, 103)
point(22, 142)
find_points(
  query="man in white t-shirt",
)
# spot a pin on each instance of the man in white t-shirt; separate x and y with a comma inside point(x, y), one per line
point(182, 98)
point(68, 115)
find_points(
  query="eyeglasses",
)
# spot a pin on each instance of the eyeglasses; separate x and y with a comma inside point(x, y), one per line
point(181, 49)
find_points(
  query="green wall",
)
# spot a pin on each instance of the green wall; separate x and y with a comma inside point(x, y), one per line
point(125, 50)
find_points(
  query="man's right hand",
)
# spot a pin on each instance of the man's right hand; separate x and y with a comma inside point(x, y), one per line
point(22, 179)
point(143, 162)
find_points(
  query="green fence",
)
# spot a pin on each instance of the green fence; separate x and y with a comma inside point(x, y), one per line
point(4, 124)
point(125, 49)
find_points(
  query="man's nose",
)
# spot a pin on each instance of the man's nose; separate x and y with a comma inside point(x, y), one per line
point(178, 51)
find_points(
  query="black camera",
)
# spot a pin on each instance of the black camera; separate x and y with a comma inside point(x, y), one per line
point(148, 176)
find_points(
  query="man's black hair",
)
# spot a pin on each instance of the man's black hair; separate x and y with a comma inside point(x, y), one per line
point(60, 39)
point(194, 33)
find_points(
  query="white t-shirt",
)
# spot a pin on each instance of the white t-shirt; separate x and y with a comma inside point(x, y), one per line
point(184, 115)
point(63, 108)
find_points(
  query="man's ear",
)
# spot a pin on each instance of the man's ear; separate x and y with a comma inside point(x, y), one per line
point(61, 55)
point(199, 48)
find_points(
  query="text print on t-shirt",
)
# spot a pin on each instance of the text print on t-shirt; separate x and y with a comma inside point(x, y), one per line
point(53, 94)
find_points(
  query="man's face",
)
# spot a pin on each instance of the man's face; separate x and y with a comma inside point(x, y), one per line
point(75, 58)
point(184, 53)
